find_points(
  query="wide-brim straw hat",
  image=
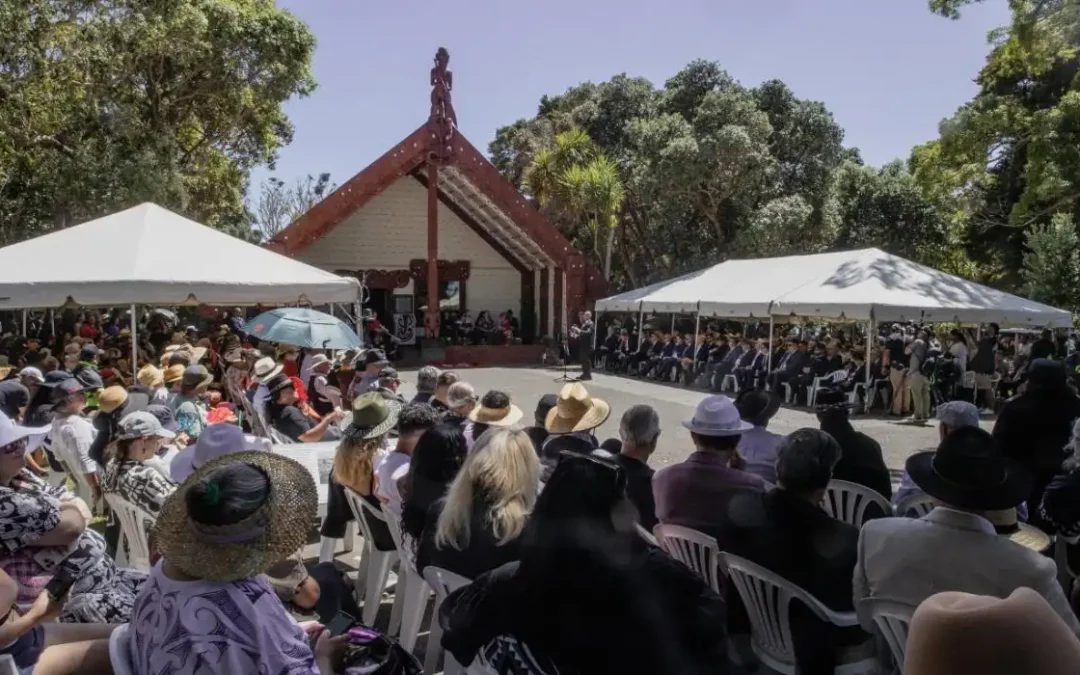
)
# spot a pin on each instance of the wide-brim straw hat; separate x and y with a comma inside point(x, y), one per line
point(265, 369)
point(1007, 524)
point(150, 376)
point(173, 374)
point(496, 417)
point(576, 410)
point(248, 548)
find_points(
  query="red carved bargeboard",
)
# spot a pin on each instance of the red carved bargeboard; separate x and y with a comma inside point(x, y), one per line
point(387, 279)
point(449, 270)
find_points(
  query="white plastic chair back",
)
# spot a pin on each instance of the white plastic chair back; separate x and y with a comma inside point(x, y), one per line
point(915, 506)
point(891, 618)
point(444, 582)
point(7, 665)
point(507, 654)
point(848, 502)
point(393, 523)
point(767, 597)
point(692, 548)
point(120, 651)
point(135, 523)
point(279, 438)
point(646, 535)
point(359, 505)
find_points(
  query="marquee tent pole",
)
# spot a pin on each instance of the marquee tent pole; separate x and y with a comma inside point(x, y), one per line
point(134, 342)
point(641, 323)
point(870, 340)
point(24, 323)
point(768, 365)
point(697, 328)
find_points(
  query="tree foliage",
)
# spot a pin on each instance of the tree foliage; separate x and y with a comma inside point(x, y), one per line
point(1052, 263)
point(710, 169)
point(108, 103)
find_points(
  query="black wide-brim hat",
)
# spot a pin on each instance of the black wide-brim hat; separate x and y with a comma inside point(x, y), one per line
point(981, 482)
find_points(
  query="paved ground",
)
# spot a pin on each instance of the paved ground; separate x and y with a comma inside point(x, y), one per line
point(675, 404)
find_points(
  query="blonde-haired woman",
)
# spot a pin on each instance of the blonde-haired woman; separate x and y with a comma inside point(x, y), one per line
point(478, 525)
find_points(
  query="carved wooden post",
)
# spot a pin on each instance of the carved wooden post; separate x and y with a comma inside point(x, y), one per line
point(442, 123)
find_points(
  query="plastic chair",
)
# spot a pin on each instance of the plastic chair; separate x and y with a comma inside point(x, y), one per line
point(120, 651)
point(279, 438)
point(767, 597)
point(7, 665)
point(646, 535)
point(692, 548)
point(891, 618)
point(832, 378)
point(411, 586)
point(374, 564)
point(734, 383)
point(915, 506)
point(134, 523)
point(848, 502)
point(443, 582)
point(507, 654)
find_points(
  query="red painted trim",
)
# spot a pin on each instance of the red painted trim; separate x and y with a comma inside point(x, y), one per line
point(545, 295)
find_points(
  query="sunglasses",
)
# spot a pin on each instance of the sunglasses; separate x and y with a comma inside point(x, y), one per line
point(14, 448)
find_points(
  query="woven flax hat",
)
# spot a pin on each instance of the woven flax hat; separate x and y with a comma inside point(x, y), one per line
point(576, 410)
point(247, 548)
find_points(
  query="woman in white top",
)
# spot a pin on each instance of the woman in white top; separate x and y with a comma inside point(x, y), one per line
point(72, 435)
point(959, 350)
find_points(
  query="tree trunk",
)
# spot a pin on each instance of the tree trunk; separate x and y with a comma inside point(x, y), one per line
point(607, 252)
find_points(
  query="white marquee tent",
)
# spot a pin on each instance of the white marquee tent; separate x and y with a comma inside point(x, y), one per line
point(150, 255)
point(856, 285)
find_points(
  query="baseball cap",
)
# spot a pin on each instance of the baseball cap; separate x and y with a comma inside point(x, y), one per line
point(374, 357)
point(33, 374)
point(55, 377)
point(66, 389)
point(89, 351)
point(164, 416)
point(958, 414)
point(90, 379)
point(142, 424)
point(389, 374)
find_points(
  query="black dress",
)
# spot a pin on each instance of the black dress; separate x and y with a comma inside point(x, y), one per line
point(482, 554)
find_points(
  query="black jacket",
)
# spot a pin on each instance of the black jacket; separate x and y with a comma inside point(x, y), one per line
point(809, 548)
point(861, 462)
point(482, 554)
point(641, 613)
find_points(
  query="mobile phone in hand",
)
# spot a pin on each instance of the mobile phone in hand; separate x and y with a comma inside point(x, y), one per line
point(58, 586)
point(340, 623)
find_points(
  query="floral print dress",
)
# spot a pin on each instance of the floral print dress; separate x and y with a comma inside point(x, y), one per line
point(30, 509)
point(139, 483)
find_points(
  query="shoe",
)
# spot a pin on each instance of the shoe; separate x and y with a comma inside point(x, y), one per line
point(986, 411)
point(584, 378)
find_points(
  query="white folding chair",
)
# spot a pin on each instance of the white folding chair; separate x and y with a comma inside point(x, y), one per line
point(734, 383)
point(7, 665)
point(279, 438)
point(374, 564)
point(649, 537)
point(692, 548)
point(891, 618)
point(848, 502)
point(411, 586)
point(767, 597)
point(507, 654)
point(915, 506)
point(120, 651)
point(134, 524)
point(831, 378)
point(443, 582)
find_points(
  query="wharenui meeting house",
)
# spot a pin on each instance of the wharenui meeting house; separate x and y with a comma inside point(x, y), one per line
point(433, 215)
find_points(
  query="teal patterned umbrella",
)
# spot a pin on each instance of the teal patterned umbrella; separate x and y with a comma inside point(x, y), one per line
point(303, 327)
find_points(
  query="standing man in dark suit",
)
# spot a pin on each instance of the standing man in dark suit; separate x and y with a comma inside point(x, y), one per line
point(585, 337)
point(785, 531)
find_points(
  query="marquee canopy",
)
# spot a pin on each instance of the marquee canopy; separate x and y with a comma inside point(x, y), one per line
point(854, 285)
point(149, 255)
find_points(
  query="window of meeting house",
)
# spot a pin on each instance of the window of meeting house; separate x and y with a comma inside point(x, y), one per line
point(451, 301)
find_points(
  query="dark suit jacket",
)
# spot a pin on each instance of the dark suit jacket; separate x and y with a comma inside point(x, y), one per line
point(806, 546)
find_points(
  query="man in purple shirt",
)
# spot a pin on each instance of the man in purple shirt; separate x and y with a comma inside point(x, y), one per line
point(758, 445)
point(696, 493)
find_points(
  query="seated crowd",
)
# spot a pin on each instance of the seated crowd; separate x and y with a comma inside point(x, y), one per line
point(569, 543)
point(911, 367)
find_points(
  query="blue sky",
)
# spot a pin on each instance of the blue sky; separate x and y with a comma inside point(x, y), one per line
point(887, 69)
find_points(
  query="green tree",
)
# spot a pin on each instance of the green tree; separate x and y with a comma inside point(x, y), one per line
point(109, 103)
point(1052, 263)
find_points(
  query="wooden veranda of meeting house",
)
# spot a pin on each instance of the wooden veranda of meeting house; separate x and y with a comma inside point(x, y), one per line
point(432, 217)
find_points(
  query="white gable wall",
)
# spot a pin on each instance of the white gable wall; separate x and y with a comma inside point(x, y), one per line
point(391, 229)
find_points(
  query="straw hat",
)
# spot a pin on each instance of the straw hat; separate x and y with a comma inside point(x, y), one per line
point(576, 411)
point(111, 398)
point(247, 548)
point(956, 632)
point(1008, 525)
point(173, 374)
point(149, 376)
